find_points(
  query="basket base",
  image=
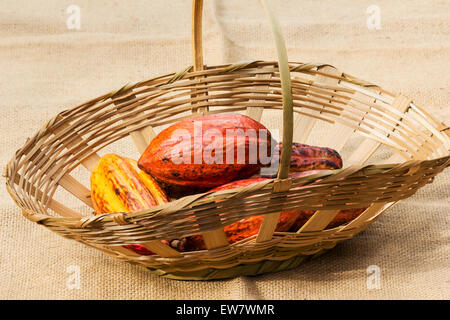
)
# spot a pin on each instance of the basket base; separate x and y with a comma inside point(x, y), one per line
point(248, 269)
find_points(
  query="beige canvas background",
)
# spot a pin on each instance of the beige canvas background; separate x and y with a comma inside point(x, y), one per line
point(45, 68)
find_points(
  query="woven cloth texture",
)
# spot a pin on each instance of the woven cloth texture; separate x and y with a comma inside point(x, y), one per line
point(46, 68)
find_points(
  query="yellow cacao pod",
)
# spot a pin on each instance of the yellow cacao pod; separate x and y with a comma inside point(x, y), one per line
point(118, 185)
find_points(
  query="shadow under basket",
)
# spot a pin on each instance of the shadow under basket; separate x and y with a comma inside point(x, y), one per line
point(419, 147)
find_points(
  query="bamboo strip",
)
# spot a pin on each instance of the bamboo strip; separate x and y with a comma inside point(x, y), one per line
point(215, 239)
point(318, 221)
point(139, 141)
point(142, 137)
point(342, 133)
point(76, 188)
point(56, 206)
point(197, 47)
point(161, 249)
point(121, 250)
point(268, 227)
point(304, 125)
point(366, 149)
point(256, 112)
point(89, 162)
point(270, 221)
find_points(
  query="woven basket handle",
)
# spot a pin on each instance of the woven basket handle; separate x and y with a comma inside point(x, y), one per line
point(285, 78)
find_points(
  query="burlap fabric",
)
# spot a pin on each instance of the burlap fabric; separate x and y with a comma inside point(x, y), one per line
point(45, 68)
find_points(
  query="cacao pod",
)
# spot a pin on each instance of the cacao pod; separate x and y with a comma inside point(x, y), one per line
point(118, 185)
point(305, 158)
point(290, 220)
point(207, 151)
point(246, 227)
point(343, 217)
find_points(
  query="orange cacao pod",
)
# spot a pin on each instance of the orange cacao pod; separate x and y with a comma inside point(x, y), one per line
point(118, 185)
point(343, 217)
point(246, 227)
point(205, 152)
point(290, 220)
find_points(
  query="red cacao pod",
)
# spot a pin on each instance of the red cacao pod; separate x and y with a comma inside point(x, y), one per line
point(246, 227)
point(306, 158)
point(207, 151)
point(290, 220)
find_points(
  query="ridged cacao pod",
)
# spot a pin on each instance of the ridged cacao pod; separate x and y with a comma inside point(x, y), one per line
point(290, 220)
point(343, 217)
point(246, 227)
point(118, 185)
point(203, 151)
point(306, 158)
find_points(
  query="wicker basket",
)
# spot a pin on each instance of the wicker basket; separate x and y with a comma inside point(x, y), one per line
point(313, 92)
